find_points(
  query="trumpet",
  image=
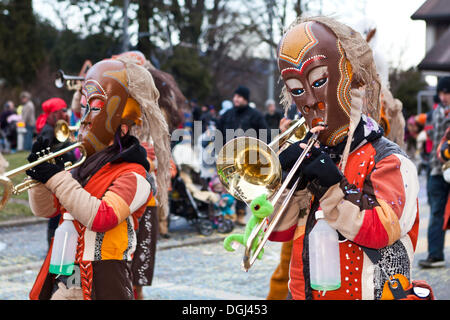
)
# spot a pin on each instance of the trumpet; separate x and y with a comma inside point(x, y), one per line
point(71, 82)
point(62, 129)
point(64, 132)
point(247, 168)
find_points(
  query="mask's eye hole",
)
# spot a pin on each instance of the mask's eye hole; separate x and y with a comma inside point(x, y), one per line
point(97, 104)
point(306, 109)
point(297, 92)
point(319, 83)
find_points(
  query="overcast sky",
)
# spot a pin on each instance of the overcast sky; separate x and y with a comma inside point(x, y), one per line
point(401, 39)
point(397, 32)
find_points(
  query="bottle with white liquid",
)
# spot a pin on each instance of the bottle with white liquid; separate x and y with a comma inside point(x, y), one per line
point(324, 263)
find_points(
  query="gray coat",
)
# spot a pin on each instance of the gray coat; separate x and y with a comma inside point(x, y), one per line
point(28, 114)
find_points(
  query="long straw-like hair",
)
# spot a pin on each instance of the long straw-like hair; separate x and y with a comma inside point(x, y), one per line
point(154, 127)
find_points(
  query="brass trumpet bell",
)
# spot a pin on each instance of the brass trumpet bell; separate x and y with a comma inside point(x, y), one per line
point(63, 132)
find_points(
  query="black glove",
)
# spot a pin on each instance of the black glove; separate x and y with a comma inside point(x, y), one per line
point(44, 171)
point(38, 146)
point(289, 156)
point(324, 170)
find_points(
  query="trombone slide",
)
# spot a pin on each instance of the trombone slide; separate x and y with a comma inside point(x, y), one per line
point(249, 257)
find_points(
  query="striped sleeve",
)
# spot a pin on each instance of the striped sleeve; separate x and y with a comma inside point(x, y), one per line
point(297, 209)
point(383, 211)
point(128, 194)
point(42, 202)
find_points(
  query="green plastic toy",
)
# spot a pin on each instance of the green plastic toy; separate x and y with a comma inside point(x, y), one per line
point(261, 208)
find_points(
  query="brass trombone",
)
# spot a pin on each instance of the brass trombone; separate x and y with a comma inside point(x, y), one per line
point(71, 82)
point(62, 133)
point(247, 167)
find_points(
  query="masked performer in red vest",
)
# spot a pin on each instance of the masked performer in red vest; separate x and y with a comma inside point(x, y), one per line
point(365, 184)
point(109, 192)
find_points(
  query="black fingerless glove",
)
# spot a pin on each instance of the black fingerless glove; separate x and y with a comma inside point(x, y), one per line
point(289, 157)
point(324, 170)
point(39, 146)
point(44, 171)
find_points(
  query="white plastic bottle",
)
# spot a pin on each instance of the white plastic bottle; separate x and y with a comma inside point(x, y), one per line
point(64, 247)
point(324, 264)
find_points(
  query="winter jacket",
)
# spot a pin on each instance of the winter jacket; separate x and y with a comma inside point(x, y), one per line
point(28, 114)
point(249, 120)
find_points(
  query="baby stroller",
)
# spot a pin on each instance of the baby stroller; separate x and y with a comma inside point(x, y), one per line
point(188, 199)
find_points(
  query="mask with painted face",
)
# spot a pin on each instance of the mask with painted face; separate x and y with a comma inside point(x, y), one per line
point(317, 59)
point(318, 76)
point(105, 105)
point(121, 91)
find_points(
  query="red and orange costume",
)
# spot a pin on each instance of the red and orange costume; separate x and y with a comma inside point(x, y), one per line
point(109, 192)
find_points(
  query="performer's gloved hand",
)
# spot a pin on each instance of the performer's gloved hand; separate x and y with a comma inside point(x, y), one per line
point(39, 145)
point(290, 155)
point(44, 171)
point(324, 170)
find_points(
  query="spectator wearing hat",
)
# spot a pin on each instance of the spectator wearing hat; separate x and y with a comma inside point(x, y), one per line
point(242, 120)
point(29, 117)
point(437, 187)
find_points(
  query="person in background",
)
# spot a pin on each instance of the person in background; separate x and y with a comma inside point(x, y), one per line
point(205, 117)
point(196, 110)
point(443, 152)
point(8, 109)
point(241, 118)
point(29, 117)
point(437, 187)
point(272, 116)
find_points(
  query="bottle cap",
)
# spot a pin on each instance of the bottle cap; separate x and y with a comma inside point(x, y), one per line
point(67, 216)
point(319, 214)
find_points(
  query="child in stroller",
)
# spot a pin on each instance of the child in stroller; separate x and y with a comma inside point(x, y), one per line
point(224, 213)
point(205, 209)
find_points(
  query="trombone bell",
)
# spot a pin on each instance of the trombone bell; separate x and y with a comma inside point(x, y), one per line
point(248, 168)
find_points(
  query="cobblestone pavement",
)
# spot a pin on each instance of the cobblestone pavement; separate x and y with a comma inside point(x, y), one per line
point(188, 266)
point(202, 270)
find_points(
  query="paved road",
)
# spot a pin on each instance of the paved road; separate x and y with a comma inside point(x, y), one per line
point(187, 267)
